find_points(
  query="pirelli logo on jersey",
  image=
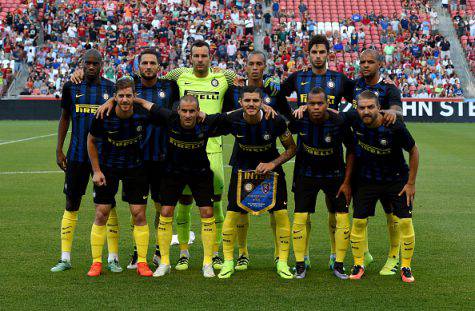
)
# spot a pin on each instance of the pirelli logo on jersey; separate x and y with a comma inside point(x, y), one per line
point(85, 108)
point(124, 143)
point(330, 99)
point(317, 151)
point(186, 144)
point(203, 95)
point(254, 148)
point(374, 150)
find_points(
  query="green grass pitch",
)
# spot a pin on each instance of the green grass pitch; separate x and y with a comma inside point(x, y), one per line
point(31, 205)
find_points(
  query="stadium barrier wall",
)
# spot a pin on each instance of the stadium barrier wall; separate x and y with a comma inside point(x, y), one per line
point(414, 110)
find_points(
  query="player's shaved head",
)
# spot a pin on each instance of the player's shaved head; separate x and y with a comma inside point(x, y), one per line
point(92, 53)
point(189, 99)
point(372, 53)
point(257, 53)
point(92, 62)
point(317, 91)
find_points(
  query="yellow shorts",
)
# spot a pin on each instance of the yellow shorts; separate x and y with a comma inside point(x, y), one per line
point(216, 165)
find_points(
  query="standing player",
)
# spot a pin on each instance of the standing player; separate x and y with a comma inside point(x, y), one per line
point(255, 149)
point(389, 99)
point(255, 67)
point(120, 159)
point(319, 166)
point(381, 173)
point(336, 86)
point(186, 164)
point(79, 103)
point(209, 88)
point(163, 93)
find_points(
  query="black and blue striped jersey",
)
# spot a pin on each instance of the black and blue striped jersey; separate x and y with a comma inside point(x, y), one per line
point(335, 84)
point(254, 143)
point(379, 151)
point(164, 94)
point(81, 101)
point(388, 94)
point(320, 146)
point(186, 148)
point(122, 139)
point(231, 99)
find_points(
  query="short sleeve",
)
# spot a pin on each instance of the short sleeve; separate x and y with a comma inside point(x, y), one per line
point(402, 135)
point(348, 88)
point(66, 97)
point(288, 86)
point(394, 96)
point(281, 126)
point(97, 127)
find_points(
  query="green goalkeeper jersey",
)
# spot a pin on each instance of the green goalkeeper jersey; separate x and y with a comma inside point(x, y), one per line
point(209, 91)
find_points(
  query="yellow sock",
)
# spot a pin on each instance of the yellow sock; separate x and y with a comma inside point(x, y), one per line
point(276, 241)
point(394, 235)
point(365, 241)
point(229, 234)
point(282, 223)
point(98, 238)
point(113, 232)
point(342, 235)
point(208, 237)
point(242, 229)
point(68, 225)
point(219, 219)
point(331, 231)
point(408, 241)
point(357, 240)
point(183, 224)
point(307, 242)
point(299, 235)
point(164, 237)
point(141, 237)
point(158, 210)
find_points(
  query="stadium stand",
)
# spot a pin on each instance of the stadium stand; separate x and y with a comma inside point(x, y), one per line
point(405, 31)
point(463, 18)
point(18, 33)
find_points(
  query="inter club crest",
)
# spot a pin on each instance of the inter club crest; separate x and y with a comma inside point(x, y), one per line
point(256, 193)
point(214, 82)
point(105, 96)
point(161, 94)
point(331, 84)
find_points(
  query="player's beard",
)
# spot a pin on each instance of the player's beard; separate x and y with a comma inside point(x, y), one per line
point(148, 78)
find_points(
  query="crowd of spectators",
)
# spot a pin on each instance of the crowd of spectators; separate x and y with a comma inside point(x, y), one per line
point(416, 56)
point(18, 38)
point(120, 29)
point(464, 22)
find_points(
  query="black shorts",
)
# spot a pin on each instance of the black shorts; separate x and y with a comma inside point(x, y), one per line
point(366, 195)
point(281, 195)
point(201, 186)
point(155, 173)
point(305, 194)
point(76, 179)
point(134, 186)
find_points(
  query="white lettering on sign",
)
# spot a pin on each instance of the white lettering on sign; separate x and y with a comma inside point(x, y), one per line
point(412, 106)
point(446, 110)
point(471, 109)
point(425, 107)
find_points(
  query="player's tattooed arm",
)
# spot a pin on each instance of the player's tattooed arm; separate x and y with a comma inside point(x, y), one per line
point(290, 149)
point(98, 177)
point(144, 103)
point(410, 187)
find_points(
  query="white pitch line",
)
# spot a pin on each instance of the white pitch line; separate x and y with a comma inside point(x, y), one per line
point(27, 139)
point(30, 172)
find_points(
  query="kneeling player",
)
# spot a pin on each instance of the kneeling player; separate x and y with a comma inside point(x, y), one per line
point(381, 173)
point(186, 164)
point(255, 149)
point(319, 166)
point(121, 158)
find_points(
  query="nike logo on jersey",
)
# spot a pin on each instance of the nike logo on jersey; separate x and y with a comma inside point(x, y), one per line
point(302, 134)
point(79, 95)
point(145, 197)
point(112, 132)
point(239, 136)
point(304, 83)
point(188, 83)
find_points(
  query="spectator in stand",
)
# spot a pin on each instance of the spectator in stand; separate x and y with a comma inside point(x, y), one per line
point(445, 48)
point(275, 9)
point(302, 9)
